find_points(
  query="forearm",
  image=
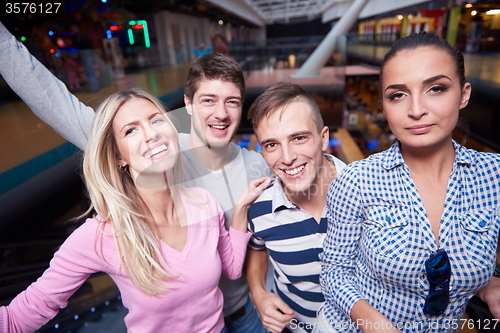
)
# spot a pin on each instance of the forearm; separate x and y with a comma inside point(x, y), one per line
point(369, 320)
point(239, 220)
point(232, 249)
point(491, 295)
point(47, 97)
point(256, 267)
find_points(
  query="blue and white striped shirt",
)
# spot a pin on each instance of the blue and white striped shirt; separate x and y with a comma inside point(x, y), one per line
point(294, 240)
point(379, 237)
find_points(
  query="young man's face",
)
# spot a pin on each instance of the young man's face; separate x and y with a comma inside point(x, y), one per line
point(292, 147)
point(215, 111)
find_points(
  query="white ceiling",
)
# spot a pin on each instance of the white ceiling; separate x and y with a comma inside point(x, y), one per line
point(289, 11)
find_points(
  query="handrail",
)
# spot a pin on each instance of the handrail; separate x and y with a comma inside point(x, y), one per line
point(348, 150)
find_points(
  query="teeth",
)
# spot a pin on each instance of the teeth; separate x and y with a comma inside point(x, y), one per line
point(295, 171)
point(219, 127)
point(156, 150)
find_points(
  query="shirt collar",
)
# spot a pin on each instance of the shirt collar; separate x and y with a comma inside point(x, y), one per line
point(279, 197)
point(394, 158)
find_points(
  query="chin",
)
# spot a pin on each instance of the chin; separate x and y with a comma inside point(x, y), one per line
point(218, 144)
point(297, 187)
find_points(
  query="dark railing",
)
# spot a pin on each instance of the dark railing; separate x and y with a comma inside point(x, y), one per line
point(33, 224)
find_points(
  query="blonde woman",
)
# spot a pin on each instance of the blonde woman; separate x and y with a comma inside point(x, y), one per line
point(164, 246)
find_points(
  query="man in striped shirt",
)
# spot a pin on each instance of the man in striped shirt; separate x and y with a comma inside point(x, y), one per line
point(289, 220)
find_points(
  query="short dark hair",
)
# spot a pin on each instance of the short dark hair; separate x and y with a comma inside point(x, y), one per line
point(278, 97)
point(424, 39)
point(214, 66)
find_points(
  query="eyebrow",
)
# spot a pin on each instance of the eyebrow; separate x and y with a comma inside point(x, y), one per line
point(435, 78)
point(427, 81)
point(217, 96)
point(135, 122)
point(262, 143)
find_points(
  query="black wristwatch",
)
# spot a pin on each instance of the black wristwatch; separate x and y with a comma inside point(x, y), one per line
point(497, 271)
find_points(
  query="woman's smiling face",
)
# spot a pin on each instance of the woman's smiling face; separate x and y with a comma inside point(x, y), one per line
point(146, 140)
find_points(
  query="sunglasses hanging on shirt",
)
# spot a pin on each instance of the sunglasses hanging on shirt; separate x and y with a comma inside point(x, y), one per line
point(438, 271)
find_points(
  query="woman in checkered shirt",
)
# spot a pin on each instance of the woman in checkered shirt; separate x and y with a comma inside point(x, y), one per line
point(413, 230)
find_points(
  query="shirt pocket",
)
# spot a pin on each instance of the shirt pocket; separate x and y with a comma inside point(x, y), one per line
point(480, 236)
point(385, 230)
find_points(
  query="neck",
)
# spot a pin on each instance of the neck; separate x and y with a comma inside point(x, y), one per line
point(212, 158)
point(160, 194)
point(430, 159)
point(164, 205)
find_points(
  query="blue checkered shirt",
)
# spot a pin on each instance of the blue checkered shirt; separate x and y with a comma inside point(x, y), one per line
point(379, 237)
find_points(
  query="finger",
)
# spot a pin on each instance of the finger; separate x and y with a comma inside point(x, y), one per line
point(284, 308)
point(494, 308)
point(275, 327)
point(267, 182)
point(263, 180)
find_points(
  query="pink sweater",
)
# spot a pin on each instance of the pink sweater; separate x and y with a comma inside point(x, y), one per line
point(192, 304)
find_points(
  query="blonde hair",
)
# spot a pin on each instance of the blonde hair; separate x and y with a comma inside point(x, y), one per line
point(115, 198)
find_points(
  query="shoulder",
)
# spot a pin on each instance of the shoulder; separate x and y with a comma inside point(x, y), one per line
point(371, 162)
point(364, 171)
point(263, 204)
point(197, 200)
point(339, 164)
point(483, 164)
point(82, 241)
point(90, 231)
point(251, 155)
point(90, 227)
point(483, 157)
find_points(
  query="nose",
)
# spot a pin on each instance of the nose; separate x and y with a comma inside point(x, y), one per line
point(288, 154)
point(150, 134)
point(417, 108)
point(221, 111)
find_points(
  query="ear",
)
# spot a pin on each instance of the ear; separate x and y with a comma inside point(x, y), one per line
point(466, 91)
point(325, 138)
point(189, 106)
point(121, 162)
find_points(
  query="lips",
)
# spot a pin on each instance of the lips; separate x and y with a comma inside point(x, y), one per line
point(218, 127)
point(420, 129)
point(156, 150)
point(294, 171)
